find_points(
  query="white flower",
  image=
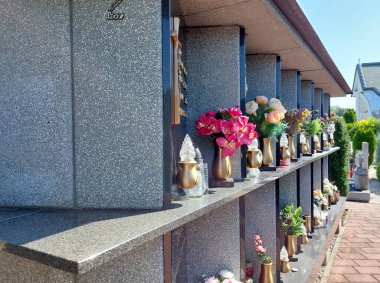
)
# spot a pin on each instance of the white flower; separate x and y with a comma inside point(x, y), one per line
point(212, 280)
point(251, 107)
point(226, 274)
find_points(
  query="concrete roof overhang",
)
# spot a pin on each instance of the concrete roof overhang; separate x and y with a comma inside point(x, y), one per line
point(272, 27)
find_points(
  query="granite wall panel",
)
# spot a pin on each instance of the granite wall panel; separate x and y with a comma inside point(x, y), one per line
point(207, 245)
point(326, 102)
point(260, 218)
point(305, 189)
point(317, 171)
point(326, 167)
point(289, 88)
point(212, 63)
point(118, 105)
point(318, 94)
point(143, 264)
point(36, 154)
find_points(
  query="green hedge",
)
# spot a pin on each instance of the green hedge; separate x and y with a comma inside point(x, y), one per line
point(365, 135)
point(349, 116)
point(378, 172)
point(338, 161)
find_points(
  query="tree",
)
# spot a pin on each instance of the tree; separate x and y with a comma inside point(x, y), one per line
point(337, 110)
point(365, 135)
point(349, 115)
point(338, 161)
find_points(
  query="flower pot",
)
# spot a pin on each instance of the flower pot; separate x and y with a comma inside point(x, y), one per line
point(292, 149)
point(221, 166)
point(266, 275)
point(284, 266)
point(307, 219)
point(254, 158)
point(290, 246)
point(267, 152)
point(187, 177)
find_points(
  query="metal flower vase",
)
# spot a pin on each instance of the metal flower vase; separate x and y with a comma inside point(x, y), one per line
point(221, 166)
point(266, 275)
point(267, 152)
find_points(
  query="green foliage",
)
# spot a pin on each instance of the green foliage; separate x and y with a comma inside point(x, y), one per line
point(266, 259)
point(338, 161)
point(371, 123)
point(365, 135)
point(339, 111)
point(349, 115)
point(291, 220)
point(350, 126)
point(311, 127)
point(270, 130)
point(377, 159)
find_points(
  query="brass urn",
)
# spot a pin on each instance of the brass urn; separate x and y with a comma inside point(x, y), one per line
point(221, 166)
point(266, 275)
point(284, 266)
point(187, 177)
point(332, 142)
point(304, 240)
point(290, 246)
point(317, 144)
point(307, 219)
point(317, 221)
point(284, 153)
point(304, 148)
point(267, 152)
point(292, 148)
point(254, 158)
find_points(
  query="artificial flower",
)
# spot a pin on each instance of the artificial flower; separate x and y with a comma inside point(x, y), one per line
point(251, 107)
point(225, 274)
point(212, 280)
point(256, 237)
point(274, 117)
point(275, 104)
point(246, 131)
point(234, 111)
point(211, 113)
point(261, 100)
point(207, 125)
point(228, 146)
point(260, 249)
point(229, 128)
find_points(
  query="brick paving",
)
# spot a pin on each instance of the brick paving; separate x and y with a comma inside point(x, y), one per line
point(358, 257)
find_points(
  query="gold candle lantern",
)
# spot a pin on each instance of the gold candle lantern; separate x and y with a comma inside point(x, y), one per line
point(292, 148)
point(187, 177)
point(304, 240)
point(284, 153)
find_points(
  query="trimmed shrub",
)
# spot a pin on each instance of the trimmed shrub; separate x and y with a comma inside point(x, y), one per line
point(338, 161)
point(350, 126)
point(365, 135)
point(378, 172)
point(349, 116)
point(377, 155)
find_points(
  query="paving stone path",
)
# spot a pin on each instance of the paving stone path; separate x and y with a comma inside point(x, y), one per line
point(358, 257)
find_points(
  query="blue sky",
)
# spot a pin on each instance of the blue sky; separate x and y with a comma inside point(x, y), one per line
point(349, 29)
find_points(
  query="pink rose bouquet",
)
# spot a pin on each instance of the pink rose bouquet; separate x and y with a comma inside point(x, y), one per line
point(261, 250)
point(229, 127)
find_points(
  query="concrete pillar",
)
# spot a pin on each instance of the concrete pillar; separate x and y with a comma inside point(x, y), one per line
point(307, 97)
point(264, 78)
point(213, 65)
point(260, 207)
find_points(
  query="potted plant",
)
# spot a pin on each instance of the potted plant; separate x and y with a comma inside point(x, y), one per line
point(266, 261)
point(268, 116)
point(229, 130)
point(291, 226)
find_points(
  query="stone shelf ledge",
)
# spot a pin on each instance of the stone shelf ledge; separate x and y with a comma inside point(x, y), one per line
point(313, 254)
point(77, 241)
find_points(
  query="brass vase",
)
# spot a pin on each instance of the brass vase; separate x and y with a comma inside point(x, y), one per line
point(325, 207)
point(308, 144)
point(290, 246)
point(221, 166)
point(267, 152)
point(187, 177)
point(307, 219)
point(292, 148)
point(316, 221)
point(254, 158)
point(304, 148)
point(304, 240)
point(266, 275)
point(284, 266)
point(332, 142)
point(317, 144)
point(284, 153)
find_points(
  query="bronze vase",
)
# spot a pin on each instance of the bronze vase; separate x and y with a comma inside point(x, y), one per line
point(317, 144)
point(284, 153)
point(292, 148)
point(267, 152)
point(254, 158)
point(308, 144)
point(187, 177)
point(290, 246)
point(304, 240)
point(316, 221)
point(284, 266)
point(307, 219)
point(266, 275)
point(221, 166)
point(304, 148)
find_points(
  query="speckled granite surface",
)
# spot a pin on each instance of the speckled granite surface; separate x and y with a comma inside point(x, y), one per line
point(305, 190)
point(78, 241)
